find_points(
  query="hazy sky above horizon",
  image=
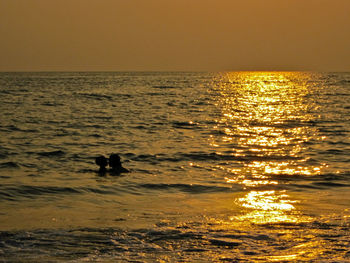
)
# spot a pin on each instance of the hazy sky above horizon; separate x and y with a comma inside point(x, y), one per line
point(199, 35)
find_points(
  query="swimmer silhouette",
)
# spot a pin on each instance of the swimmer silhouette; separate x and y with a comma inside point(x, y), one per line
point(102, 162)
point(116, 165)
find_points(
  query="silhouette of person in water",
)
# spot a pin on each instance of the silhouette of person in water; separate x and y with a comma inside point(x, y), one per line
point(114, 162)
point(116, 165)
point(102, 162)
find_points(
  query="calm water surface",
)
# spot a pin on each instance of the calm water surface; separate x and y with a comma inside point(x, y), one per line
point(225, 167)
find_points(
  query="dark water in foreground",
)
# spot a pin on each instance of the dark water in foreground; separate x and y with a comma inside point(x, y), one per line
point(225, 167)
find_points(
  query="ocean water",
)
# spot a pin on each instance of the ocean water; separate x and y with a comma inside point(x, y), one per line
point(224, 167)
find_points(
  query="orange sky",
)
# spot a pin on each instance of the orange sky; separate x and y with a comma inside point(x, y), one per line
point(209, 35)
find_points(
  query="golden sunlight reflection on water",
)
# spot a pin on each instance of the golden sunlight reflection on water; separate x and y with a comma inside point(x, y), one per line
point(266, 124)
point(266, 207)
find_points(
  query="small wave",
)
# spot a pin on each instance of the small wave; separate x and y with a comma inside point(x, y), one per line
point(107, 190)
point(344, 81)
point(201, 103)
point(221, 132)
point(188, 188)
point(143, 157)
point(333, 151)
point(329, 184)
point(225, 242)
point(201, 156)
point(164, 87)
point(184, 124)
point(13, 193)
point(172, 234)
point(141, 127)
point(13, 128)
point(123, 95)
point(51, 104)
point(96, 96)
point(9, 165)
point(51, 153)
point(103, 117)
point(33, 175)
point(288, 124)
point(95, 135)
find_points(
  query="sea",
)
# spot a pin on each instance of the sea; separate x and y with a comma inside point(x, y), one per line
point(224, 167)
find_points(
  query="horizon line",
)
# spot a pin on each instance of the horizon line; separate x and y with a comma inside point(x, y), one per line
point(168, 71)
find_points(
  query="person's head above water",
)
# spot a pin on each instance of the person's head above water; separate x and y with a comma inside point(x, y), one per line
point(116, 164)
point(102, 162)
point(114, 161)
